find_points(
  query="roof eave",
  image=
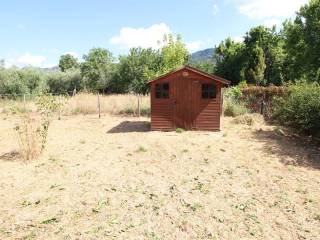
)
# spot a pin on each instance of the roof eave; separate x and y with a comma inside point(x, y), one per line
point(216, 78)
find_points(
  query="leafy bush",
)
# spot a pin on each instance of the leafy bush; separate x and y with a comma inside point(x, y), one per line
point(300, 108)
point(233, 93)
point(47, 105)
point(11, 82)
point(234, 108)
point(64, 82)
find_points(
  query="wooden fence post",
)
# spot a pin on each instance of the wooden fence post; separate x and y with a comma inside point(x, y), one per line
point(24, 102)
point(138, 96)
point(59, 107)
point(99, 105)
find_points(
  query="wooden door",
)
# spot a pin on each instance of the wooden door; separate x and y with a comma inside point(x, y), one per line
point(185, 103)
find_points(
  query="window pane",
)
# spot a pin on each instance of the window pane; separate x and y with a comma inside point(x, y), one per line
point(204, 94)
point(162, 90)
point(208, 91)
point(166, 86)
point(165, 94)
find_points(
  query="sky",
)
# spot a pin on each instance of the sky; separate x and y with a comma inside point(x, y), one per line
point(38, 32)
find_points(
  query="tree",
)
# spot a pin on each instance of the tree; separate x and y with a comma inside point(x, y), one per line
point(271, 43)
point(174, 53)
point(230, 60)
point(64, 82)
point(256, 66)
point(302, 43)
point(98, 69)
point(67, 61)
point(136, 69)
point(33, 78)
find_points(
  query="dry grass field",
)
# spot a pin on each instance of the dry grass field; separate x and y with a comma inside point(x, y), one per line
point(112, 178)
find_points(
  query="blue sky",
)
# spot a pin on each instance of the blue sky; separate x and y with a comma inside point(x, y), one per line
point(37, 32)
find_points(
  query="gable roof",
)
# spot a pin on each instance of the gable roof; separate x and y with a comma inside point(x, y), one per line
point(197, 71)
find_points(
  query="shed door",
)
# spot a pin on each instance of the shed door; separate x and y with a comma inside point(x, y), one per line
point(186, 103)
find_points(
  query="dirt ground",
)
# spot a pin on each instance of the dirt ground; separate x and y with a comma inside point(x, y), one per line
point(112, 178)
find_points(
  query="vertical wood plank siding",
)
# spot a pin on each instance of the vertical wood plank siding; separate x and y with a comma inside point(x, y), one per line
point(185, 107)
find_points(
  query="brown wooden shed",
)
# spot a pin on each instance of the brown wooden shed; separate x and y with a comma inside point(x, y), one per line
point(186, 98)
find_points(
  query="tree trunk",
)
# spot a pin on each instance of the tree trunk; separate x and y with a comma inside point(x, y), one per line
point(138, 98)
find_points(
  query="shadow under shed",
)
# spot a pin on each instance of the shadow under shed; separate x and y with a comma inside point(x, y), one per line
point(131, 126)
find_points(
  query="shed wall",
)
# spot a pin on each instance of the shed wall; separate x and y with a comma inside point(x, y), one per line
point(185, 107)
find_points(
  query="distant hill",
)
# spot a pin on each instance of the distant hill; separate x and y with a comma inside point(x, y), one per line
point(201, 56)
point(52, 69)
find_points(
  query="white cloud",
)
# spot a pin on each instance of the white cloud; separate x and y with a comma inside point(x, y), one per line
point(262, 9)
point(141, 37)
point(215, 9)
point(25, 60)
point(238, 39)
point(271, 22)
point(194, 46)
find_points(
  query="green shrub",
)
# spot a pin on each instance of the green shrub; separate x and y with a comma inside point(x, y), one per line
point(232, 108)
point(233, 93)
point(300, 108)
point(180, 130)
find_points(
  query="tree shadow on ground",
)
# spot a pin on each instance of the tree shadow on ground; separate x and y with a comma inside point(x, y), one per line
point(292, 150)
point(10, 156)
point(131, 126)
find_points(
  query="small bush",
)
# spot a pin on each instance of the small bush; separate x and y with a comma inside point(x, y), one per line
point(233, 93)
point(29, 137)
point(300, 108)
point(234, 108)
point(180, 130)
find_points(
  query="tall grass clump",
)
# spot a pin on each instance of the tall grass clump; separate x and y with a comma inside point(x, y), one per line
point(29, 138)
point(232, 105)
point(33, 131)
point(300, 108)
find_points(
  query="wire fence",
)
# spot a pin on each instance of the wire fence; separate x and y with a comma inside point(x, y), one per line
point(80, 103)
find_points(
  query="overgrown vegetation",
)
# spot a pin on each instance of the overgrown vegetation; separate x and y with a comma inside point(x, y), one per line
point(300, 108)
point(32, 130)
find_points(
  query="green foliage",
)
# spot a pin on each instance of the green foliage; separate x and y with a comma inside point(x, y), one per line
point(180, 130)
point(233, 93)
point(230, 60)
point(302, 43)
point(300, 108)
point(256, 66)
point(234, 108)
point(232, 105)
point(174, 53)
point(265, 55)
point(67, 62)
point(205, 66)
point(47, 105)
point(259, 59)
point(33, 78)
point(137, 68)
point(64, 82)
point(97, 69)
point(11, 82)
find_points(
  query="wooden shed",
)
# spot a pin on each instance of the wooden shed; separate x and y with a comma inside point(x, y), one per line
point(186, 98)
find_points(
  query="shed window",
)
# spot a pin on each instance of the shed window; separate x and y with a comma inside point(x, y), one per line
point(162, 90)
point(209, 91)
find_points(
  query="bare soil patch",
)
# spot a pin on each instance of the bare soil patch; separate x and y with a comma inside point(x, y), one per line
point(112, 178)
